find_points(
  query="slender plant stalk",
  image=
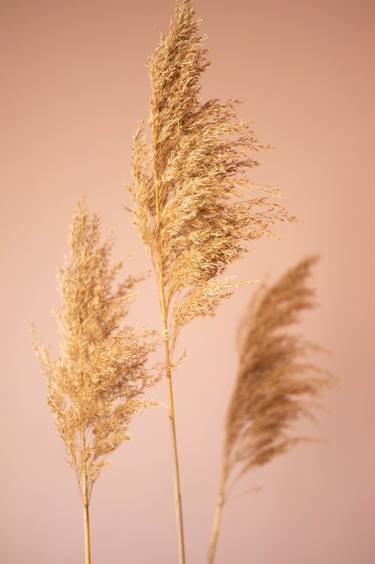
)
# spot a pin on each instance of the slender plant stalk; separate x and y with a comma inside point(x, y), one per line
point(85, 505)
point(173, 435)
point(220, 500)
point(86, 524)
point(171, 409)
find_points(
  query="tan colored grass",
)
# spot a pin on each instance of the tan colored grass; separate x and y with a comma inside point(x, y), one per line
point(195, 206)
point(277, 381)
point(96, 385)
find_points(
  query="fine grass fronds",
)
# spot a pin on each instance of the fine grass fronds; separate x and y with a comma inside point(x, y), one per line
point(277, 381)
point(96, 384)
point(195, 207)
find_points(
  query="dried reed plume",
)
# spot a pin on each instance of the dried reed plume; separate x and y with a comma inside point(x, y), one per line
point(195, 208)
point(96, 385)
point(276, 383)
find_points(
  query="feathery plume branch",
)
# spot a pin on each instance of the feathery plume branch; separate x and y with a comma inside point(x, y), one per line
point(95, 386)
point(195, 207)
point(277, 383)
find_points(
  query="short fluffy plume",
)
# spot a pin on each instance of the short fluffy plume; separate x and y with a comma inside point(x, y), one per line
point(96, 384)
point(195, 208)
point(277, 383)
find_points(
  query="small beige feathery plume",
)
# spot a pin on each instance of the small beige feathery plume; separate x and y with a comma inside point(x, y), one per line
point(195, 207)
point(277, 383)
point(96, 384)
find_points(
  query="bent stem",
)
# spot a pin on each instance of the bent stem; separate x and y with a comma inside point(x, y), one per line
point(220, 500)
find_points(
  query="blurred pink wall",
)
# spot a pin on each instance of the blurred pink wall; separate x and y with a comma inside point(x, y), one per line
point(74, 85)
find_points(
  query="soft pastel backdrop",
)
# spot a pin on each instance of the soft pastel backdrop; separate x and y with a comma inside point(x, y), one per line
point(73, 85)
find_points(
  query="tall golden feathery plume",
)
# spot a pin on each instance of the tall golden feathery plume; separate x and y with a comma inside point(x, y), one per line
point(276, 385)
point(195, 208)
point(96, 385)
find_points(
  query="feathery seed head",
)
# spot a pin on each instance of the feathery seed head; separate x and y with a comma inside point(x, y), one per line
point(195, 207)
point(97, 383)
point(276, 383)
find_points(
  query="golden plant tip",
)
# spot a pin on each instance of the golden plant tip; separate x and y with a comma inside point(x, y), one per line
point(190, 183)
point(96, 385)
point(190, 187)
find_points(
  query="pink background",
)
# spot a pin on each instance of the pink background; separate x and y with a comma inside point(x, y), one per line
point(73, 87)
